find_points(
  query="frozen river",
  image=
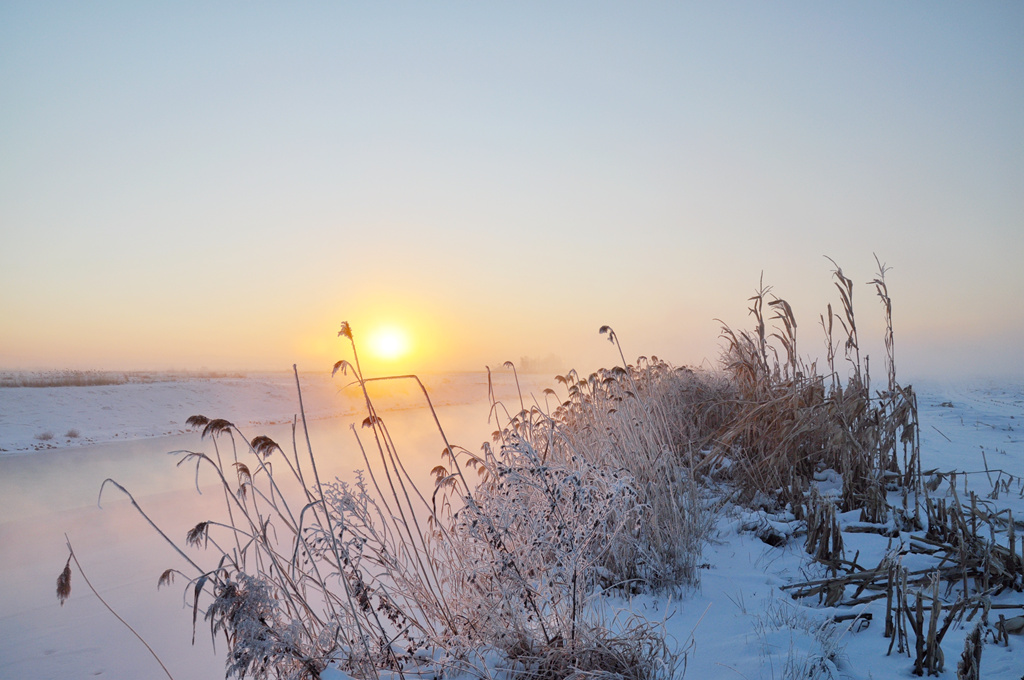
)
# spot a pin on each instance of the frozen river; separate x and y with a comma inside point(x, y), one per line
point(45, 494)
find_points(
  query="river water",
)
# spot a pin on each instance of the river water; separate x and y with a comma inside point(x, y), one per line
point(48, 495)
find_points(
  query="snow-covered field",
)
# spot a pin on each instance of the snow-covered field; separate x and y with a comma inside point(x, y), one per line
point(41, 418)
point(738, 624)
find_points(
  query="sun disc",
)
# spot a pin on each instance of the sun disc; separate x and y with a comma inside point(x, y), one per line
point(389, 343)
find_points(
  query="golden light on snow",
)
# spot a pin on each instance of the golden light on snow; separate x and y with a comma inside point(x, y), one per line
point(388, 343)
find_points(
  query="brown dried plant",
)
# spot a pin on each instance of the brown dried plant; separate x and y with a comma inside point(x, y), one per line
point(788, 421)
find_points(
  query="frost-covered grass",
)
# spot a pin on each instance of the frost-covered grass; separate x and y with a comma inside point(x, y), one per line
point(509, 552)
point(506, 565)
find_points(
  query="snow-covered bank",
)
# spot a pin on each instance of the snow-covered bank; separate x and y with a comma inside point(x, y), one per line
point(42, 418)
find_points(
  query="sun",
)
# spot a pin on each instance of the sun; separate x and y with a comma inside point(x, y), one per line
point(388, 343)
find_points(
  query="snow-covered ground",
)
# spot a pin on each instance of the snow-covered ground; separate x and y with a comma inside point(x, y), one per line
point(42, 418)
point(744, 626)
point(738, 624)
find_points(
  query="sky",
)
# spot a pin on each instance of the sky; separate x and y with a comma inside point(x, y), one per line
point(220, 185)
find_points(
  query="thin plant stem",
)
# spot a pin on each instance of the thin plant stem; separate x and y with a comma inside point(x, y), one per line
point(110, 609)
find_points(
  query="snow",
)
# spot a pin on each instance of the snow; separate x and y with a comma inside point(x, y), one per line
point(747, 628)
point(128, 411)
point(737, 624)
point(106, 413)
point(967, 426)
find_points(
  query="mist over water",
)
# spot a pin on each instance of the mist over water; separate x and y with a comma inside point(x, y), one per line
point(46, 494)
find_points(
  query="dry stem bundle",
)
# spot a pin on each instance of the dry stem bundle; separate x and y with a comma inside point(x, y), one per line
point(789, 422)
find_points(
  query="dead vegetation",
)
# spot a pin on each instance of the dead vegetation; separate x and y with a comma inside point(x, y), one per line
point(788, 421)
point(505, 554)
point(783, 424)
point(615, 487)
point(975, 556)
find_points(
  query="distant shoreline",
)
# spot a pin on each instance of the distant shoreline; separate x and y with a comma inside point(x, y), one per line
point(85, 409)
point(90, 378)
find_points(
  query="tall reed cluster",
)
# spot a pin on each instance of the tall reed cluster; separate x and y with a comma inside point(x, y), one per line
point(641, 420)
point(788, 420)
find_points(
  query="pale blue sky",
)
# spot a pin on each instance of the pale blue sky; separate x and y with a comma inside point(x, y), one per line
point(221, 185)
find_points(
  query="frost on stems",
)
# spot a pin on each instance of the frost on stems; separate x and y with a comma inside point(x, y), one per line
point(358, 577)
point(262, 643)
